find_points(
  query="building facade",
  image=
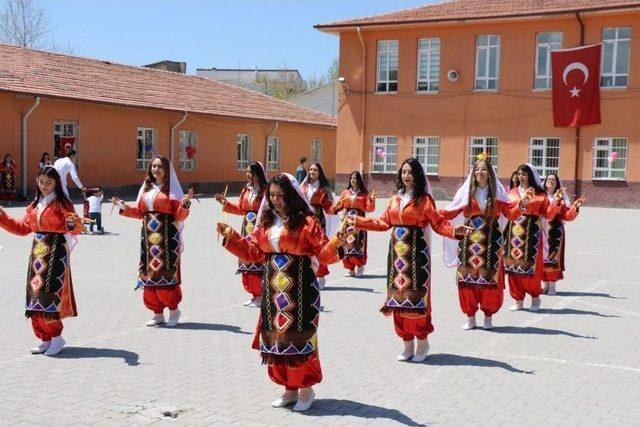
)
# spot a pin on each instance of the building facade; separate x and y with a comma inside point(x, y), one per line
point(322, 98)
point(445, 82)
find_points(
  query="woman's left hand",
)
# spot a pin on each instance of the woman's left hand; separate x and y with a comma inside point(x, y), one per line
point(187, 197)
point(71, 222)
point(462, 230)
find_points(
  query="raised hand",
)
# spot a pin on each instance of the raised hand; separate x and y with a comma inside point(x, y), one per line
point(528, 195)
point(117, 202)
point(462, 230)
point(579, 201)
point(221, 199)
point(187, 197)
point(373, 195)
point(224, 229)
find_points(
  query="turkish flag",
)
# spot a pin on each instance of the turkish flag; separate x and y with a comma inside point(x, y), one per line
point(576, 86)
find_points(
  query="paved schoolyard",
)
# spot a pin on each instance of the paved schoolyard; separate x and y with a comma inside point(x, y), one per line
point(574, 363)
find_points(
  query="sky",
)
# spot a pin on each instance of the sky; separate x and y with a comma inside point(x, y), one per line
point(209, 33)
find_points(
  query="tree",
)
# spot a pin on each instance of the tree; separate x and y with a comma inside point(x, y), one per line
point(25, 23)
point(331, 75)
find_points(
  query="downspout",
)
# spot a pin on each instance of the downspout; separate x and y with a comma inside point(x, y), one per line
point(576, 178)
point(25, 118)
point(266, 146)
point(363, 118)
point(172, 136)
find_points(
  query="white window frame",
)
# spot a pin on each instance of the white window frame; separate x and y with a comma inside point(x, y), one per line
point(62, 128)
point(143, 162)
point(614, 74)
point(484, 144)
point(187, 138)
point(427, 150)
point(548, 46)
point(389, 162)
point(387, 57)
point(548, 161)
point(316, 150)
point(606, 145)
point(273, 153)
point(429, 51)
point(492, 41)
point(243, 151)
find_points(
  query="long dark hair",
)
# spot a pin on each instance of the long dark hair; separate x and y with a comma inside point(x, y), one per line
point(514, 181)
point(322, 178)
point(42, 158)
point(295, 207)
point(258, 171)
point(491, 197)
point(51, 172)
point(5, 159)
point(149, 180)
point(362, 189)
point(558, 184)
point(530, 178)
point(419, 180)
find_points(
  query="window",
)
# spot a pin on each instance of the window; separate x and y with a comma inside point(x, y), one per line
point(242, 149)
point(384, 154)
point(544, 154)
point(545, 43)
point(65, 136)
point(387, 66)
point(427, 150)
point(188, 152)
point(146, 147)
point(479, 145)
point(615, 57)
point(606, 164)
point(273, 153)
point(428, 65)
point(316, 151)
point(487, 62)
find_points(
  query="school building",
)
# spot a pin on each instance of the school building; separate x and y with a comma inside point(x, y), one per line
point(447, 81)
point(117, 117)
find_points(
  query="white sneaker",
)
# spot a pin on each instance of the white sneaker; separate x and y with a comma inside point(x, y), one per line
point(41, 348)
point(359, 271)
point(158, 319)
point(57, 344)
point(517, 306)
point(350, 273)
point(421, 356)
point(321, 282)
point(248, 302)
point(535, 304)
point(552, 288)
point(174, 317)
point(471, 323)
point(256, 302)
point(305, 399)
point(488, 323)
point(407, 353)
point(287, 398)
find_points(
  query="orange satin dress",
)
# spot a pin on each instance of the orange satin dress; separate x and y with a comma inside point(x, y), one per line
point(321, 203)
point(553, 269)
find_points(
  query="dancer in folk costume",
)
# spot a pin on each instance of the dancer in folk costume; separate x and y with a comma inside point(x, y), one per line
point(355, 200)
point(287, 240)
point(8, 171)
point(162, 207)
point(316, 189)
point(411, 213)
point(248, 205)
point(524, 238)
point(481, 203)
point(553, 270)
point(52, 218)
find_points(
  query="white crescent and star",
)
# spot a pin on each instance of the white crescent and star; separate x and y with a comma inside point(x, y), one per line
point(575, 92)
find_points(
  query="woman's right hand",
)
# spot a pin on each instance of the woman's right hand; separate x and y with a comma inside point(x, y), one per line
point(224, 229)
point(117, 202)
point(221, 199)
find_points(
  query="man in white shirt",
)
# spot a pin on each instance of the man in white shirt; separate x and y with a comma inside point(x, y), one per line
point(66, 166)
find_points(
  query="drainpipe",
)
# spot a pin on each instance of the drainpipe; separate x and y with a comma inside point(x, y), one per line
point(363, 118)
point(172, 136)
point(576, 178)
point(25, 118)
point(266, 146)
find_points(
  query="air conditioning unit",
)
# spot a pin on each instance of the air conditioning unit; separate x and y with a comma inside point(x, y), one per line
point(453, 75)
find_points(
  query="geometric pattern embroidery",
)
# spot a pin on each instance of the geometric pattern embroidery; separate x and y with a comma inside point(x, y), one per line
point(248, 226)
point(160, 251)
point(479, 253)
point(521, 245)
point(47, 272)
point(281, 282)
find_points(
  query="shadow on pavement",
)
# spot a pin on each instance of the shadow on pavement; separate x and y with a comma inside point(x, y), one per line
point(537, 331)
point(130, 358)
point(198, 326)
point(342, 407)
point(349, 288)
point(574, 311)
point(372, 276)
point(443, 359)
point(586, 294)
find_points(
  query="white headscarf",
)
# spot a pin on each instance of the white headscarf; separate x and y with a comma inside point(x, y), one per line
point(461, 200)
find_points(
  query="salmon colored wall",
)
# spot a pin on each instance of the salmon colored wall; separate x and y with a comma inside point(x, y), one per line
point(107, 140)
point(514, 114)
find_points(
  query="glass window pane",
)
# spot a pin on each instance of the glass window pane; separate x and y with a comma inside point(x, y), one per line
point(493, 62)
point(607, 58)
point(393, 87)
point(624, 33)
point(482, 63)
point(481, 41)
point(542, 38)
point(556, 37)
point(608, 34)
point(622, 58)
point(542, 61)
point(606, 81)
point(481, 84)
point(621, 81)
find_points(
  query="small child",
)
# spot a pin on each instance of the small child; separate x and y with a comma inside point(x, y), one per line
point(95, 210)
